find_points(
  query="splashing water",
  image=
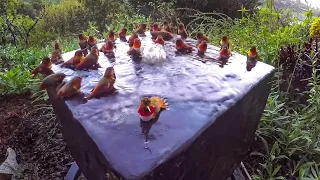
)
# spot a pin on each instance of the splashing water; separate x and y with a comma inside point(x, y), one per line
point(153, 54)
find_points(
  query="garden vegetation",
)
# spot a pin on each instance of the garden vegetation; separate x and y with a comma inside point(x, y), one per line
point(287, 144)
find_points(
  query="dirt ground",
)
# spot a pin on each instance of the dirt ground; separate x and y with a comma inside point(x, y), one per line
point(36, 138)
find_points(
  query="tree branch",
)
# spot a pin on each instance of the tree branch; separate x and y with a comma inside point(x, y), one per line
point(43, 14)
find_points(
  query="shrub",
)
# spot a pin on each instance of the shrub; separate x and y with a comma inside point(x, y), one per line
point(64, 18)
point(155, 8)
point(315, 28)
point(16, 65)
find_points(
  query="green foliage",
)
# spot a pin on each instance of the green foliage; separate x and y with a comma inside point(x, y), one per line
point(110, 13)
point(16, 26)
point(15, 76)
point(265, 28)
point(16, 66)
point(124, 20)
point(154, 9)
point(63, 18)
point(288, 131)
point(315, 28)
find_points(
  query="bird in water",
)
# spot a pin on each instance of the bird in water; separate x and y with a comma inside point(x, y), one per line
point(110, 36)
point(107, 48)
point(224, 42)
point(43, 68)
point(183, 47)
point(201, 37)
point(182, 31)
point(167, 26)
point(202, 48)
point(252, 58)
point(149, 108)
point(135, 50)
point(75, 60)
point(105, 84)
point(90, 61)
point(83, 43)
point(52, 80)
point(91, 42)
point(141, 29)
point(123, 34)
point(132, 38)
point(70, 88)
point(159, 40)
point(155, 27)
point(56, 56)
point(165, 35)
point(225, 54)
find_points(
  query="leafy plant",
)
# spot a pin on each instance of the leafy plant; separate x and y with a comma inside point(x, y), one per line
point(315, 28)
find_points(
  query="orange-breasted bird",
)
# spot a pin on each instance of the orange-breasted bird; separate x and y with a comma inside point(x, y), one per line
point(56, 56)
point(52, 80)
point(135, 50)
point(151, 27)
point(156, 27)
point(182, 31)
point(123, 34)
point(76, 59)
point(159, 40)
point(83, 43)
point(182, 46)
point(110, 36)
point(252, 58)
point(90, 61)
point(70, 88)
point(141, 28)
point(149, 107)
point(43, 68)
point(167, 26)
point(200, 37)
point(165, 35)
point(91, 42)
point(202, 47)
point(107, 47)
point(105, 84)
point(225, 53)
point(132, 38)
point(224, 42)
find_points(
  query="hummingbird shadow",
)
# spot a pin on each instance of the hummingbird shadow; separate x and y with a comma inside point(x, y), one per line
point(147, 125)
point(182, 52)
point(142, 35)
point(111, 56)
point(123, 39)
point(69, 66)
point(60, 61)
point(136, 58)
point(108, 92)
point(223, 61)
point(79, 98)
